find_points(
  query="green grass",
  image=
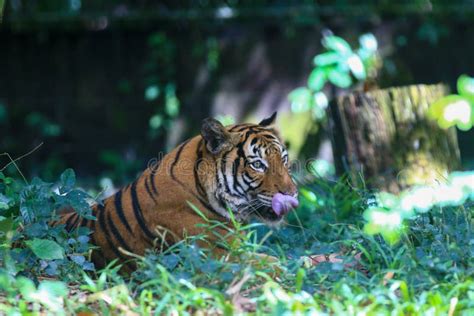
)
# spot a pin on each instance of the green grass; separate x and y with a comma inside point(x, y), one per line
point(427, 271)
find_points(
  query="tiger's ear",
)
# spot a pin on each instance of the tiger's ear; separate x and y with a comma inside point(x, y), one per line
point(216, 136)
point(269, 121)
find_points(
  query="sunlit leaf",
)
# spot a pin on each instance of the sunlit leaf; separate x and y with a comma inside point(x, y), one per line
point(340, 79)
point(309, 195)
point(368, 42)
point(321, 100)
point(337, 43)
point(53, 288)
point(357, 67)
point(326, 59)
point(300, 99)
point(317, 79)
point(453, 110)
point(465, 85)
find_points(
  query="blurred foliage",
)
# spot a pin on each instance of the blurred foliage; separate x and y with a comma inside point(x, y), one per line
point(160, 75)
point(389, 212)
point(29, 246)
point(338, 65)
point(456, 109)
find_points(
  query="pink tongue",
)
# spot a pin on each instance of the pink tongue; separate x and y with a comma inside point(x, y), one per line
point(282, 203)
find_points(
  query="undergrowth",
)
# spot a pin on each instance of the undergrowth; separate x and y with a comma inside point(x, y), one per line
point(429, 270)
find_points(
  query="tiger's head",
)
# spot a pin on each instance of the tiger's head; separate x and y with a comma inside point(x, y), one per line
point(251, 175)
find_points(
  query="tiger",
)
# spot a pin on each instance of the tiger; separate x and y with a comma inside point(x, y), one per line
point(229, 173)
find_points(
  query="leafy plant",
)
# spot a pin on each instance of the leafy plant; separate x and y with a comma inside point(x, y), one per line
point(429, 269)
point(29, 245)
point(339, 65)
point(387, 215)
point(456, 109)
point(23, 296)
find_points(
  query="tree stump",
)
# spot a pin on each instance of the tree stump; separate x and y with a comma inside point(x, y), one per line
point(384, 140)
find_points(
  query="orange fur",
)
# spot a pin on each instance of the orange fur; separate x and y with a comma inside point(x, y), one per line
point(199, 171)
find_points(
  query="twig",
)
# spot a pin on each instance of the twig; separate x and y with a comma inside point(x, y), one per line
point(13, 161)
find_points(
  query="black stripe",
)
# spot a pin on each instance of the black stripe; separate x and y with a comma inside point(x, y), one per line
point(235, 167)
point(106, 232)
point(176, 158)
point(173, 165)
point(235, 173)
point(117, 233)
point(197, 180)
point(240, 127)
point(72, 221)
point(83, 222)
point(138, 211)
point(153, 172)
point(119, 208)
point(147, 187)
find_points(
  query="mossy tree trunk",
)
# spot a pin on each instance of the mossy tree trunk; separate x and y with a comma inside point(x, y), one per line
point(384, 139)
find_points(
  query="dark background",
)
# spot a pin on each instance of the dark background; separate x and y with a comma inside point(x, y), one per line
point(73, 74)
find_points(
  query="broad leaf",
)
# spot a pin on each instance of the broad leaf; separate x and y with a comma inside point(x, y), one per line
point(337, 44)
point(326, 59)
point(317, 79)
point(340, 79)
point(4, 202)
point(465, 85)
point(357, 67)
point(68, 179)
point(301, 99)
point(46, 249)
point(54, 289)
point(368, 42)
point(453, 110)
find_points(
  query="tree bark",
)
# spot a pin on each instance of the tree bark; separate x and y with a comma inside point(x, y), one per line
point(384, 140)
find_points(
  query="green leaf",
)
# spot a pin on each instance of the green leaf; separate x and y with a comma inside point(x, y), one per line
point(4, 202)
point(340, 79)
point(53, 288)
point(152, 92)
point(326, 59)
point(68, 179)
point(301, 99)
point(368, 42)
point(45, 249)
point(357, 67)
point(317, 79)
point(156, 121)
point(172, 103)
point(337, 44)
point(27, 288)
point(453, 110)
point(465, 85)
